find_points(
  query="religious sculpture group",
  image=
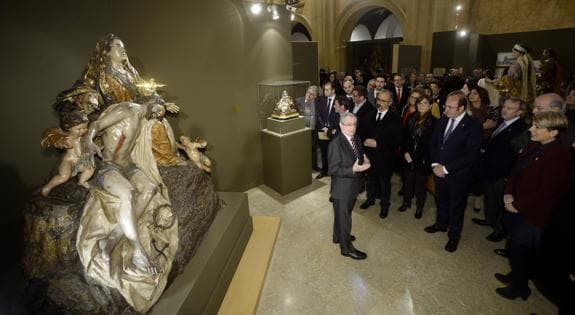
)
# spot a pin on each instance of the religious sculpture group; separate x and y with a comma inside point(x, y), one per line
point(124, 221)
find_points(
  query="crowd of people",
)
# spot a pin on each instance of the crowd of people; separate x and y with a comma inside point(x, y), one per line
point(503, 143)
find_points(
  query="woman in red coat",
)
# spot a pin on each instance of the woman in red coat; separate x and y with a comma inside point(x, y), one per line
point(532, 191)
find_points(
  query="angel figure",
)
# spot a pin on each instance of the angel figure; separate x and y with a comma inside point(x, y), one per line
point(73, 126)
point(193, 152)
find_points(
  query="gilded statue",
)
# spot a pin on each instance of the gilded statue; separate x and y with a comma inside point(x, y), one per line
point(520, 79)
point(285, 108)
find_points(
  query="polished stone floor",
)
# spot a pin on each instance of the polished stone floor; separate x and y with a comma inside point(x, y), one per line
point(407, 271)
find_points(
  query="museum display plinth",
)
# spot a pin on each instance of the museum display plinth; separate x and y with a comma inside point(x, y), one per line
point(201, 288)
point(286, 149)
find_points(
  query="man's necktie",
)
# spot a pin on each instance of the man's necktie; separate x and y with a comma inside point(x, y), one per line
point(398, 95)
point(498, 130)
point(329, 105)
point(450, 129)
point(355, 149)
point(379, 116)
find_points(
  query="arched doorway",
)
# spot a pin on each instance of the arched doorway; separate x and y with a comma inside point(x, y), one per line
point(370, 45)
point(299, 33)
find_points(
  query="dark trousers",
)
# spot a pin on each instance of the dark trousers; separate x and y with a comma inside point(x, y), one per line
point(414, 183)
point(342, 223)
point(314, 146)
point(379, 186)
point(493, 203)
point(451, 200)
point(323, 145)
point(523, 261)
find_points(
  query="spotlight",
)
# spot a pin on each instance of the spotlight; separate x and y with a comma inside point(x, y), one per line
point(292, 17)
point(256, 8)
point(458, 7)
point(462, 33)
point(275, 14)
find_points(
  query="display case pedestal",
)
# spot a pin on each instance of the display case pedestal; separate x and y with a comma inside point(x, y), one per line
point(286, 156)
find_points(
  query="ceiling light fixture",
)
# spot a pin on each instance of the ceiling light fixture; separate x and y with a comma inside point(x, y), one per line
point(256, 8)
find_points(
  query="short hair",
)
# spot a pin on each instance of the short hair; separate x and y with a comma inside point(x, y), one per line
point(313, 88)
point(361, 90)
point(551, 121)
point(344, 101)
point(384, 91)
point(328, 82)
point(416, 90)
point(424, 97)
point(559, 104)
point(344, 116)
point(398, 74)
point(521, 102)
point(462, 98)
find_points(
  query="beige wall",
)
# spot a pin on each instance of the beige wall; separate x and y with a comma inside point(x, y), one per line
point(210, 53)
point(333, 20)
point(510, 16)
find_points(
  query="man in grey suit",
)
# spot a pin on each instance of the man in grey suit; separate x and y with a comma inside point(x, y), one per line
point(346, 162)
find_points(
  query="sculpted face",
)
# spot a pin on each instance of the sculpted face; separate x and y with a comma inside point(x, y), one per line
point(156, 111)
point(117, 52)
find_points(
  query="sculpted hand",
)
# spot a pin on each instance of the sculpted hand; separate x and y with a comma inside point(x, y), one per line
point(88, 151)
point(438, 171)
point(172, 108)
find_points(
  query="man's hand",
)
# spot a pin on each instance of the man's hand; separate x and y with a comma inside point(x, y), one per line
point(438, 171)
point(370, 142)
point(508, 201)
point(407, 157)
point(489, 123)
point(360, 168)
point(324, 129)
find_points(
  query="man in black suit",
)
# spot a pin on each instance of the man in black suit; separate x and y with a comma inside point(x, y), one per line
point(454, 147)
point(399, 92)
point(324, 111)
point(379, 86)
point(384, 137)
point(363, 110)
point(346, 162)
point(497, 160)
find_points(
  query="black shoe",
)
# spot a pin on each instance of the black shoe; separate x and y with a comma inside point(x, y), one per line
point(505, 279)
point(476, 209)
point(480, 221)
point(434, 228)
point(352, 238)
point(502, 252)
point(366, 204)
point(320, 175)
point(402, 208)
point(451, 245)
point(355, 254)
point(495, 236)
point(383, 212)
point(418, 213)
point(330, 199)
point(512, 293)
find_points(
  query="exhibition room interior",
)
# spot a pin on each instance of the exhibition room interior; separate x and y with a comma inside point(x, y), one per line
point(240, 219)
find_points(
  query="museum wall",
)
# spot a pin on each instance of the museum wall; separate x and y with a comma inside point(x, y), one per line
point(211, 54)
point(513, 16)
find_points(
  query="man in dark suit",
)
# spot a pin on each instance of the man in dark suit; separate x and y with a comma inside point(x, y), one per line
point(497, 160)
point(454, 147)
point(379, 86)
point(384, 137)
point(346, 162)
point(399, 92)
point(363, 110)
point(324, 111)
point(306, 106)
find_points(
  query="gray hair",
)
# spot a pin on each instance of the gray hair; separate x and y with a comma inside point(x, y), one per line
point(313, 88)
point(558, 104)
point(344, 116)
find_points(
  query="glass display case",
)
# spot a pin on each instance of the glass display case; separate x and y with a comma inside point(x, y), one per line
point(269, 93)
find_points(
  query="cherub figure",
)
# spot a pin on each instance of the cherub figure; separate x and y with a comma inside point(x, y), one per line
point(73, 126)
point(193, 152)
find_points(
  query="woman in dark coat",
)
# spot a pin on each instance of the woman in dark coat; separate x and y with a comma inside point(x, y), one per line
point(415, 153)
point(535, 184)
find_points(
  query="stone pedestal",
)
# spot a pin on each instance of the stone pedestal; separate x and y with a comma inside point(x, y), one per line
point(286, 157)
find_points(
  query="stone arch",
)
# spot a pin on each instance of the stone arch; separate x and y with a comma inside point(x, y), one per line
point(353, 12)
point(305, 22)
